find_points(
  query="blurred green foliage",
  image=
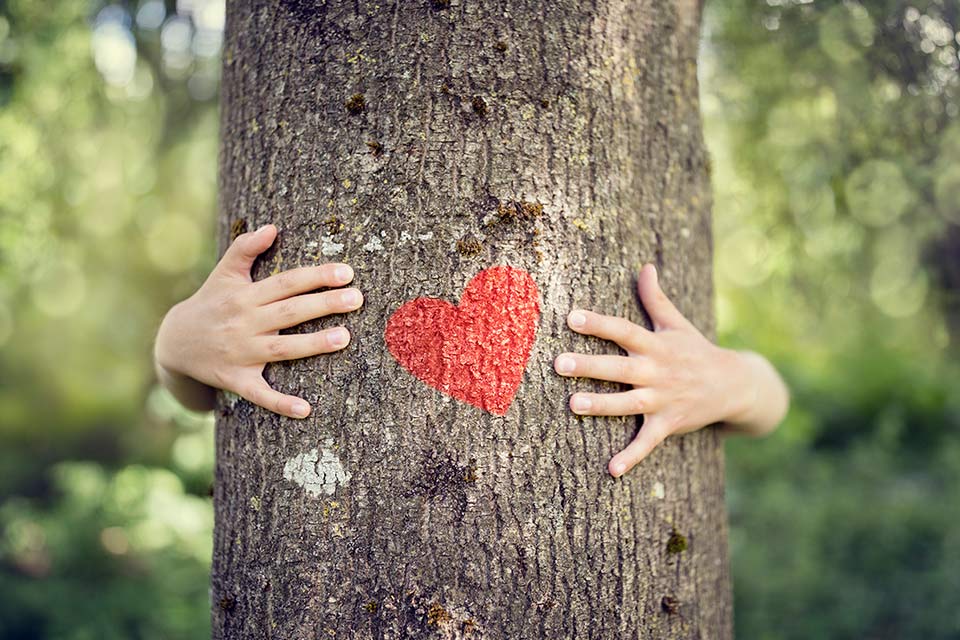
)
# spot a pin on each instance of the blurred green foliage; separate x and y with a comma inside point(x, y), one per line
point(108, 146)
point(836, 165)
point(836, 146)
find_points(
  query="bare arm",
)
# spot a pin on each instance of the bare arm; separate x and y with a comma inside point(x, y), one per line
point(222, 336)
point(764, 396)
point(681, 381)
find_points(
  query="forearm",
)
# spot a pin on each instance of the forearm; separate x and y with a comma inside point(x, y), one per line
point(764, 397)
point(191, 393)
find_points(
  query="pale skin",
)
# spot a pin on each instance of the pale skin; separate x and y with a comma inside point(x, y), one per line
point(224, 335)
point(681, 381)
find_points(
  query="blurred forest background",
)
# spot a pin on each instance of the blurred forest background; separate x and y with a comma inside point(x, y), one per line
point(835, 139)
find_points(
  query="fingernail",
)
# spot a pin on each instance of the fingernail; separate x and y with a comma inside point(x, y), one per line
point(577, 319)
point(343, 273)
point(618, 469)
point(339, 337)
point(261, 229)
point(564, 364)
point(350, 297)
point(301, 409)
point(580, 404)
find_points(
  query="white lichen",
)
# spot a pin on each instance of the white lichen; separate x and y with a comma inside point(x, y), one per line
point(374, 244)
point(318, 471)
point(658, 490)
point(329, 247)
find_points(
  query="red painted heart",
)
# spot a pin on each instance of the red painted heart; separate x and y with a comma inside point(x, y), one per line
point(475, 351)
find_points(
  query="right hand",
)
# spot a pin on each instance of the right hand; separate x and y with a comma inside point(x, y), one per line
point(224, 334)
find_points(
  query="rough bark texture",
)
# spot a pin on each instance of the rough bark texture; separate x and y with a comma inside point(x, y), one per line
point(421, 142)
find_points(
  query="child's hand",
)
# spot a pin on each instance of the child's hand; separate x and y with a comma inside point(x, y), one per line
point(223, 335)
point(681, 381)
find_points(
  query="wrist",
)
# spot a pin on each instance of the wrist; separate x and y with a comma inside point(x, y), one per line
point(741, 389)
point(165, 363)
point(192, 393)
point(763, 397)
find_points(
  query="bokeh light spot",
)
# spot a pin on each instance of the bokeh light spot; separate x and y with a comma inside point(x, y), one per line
point(114, 52)
point(845, 31)
point(173, 243)
point(877, 193)
point(59, 287)
point(744, 258)
point(114, 540)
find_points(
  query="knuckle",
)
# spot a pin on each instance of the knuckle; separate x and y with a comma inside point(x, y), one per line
point(229, 306)
point(285, 281)
point(328, 301)
point(645, 373)
point(230, 325)
point(286, 310)
point(667, 377)
point(314, 276)
point(324, 272)
point(604, 325)
point(278, 348)
point(621, 325)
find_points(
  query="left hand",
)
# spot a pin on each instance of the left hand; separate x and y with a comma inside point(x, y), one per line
point(681, 381)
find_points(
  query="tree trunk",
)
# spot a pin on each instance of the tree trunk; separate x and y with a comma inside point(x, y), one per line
point(424, 142)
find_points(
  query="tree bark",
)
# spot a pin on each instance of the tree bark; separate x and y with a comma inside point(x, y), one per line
point(423, 142)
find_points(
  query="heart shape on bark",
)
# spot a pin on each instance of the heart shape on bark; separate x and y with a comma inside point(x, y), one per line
point(475, 351)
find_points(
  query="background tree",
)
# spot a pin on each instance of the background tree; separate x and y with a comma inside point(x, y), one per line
point(422, 143)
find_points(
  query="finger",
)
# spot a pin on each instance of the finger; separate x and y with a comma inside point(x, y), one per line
point(261, 394)
point(630, 336)
point(661, 311)
point(625, 403)
point(298, 309)
point(651, 434)
point(239, 256)
point(301, 345)
point(625, 369)
point(300, 280)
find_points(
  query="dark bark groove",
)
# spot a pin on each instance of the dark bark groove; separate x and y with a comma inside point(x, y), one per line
point(421, 142)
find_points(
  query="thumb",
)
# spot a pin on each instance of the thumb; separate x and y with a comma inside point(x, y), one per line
point(239, 256)
point(658, 306)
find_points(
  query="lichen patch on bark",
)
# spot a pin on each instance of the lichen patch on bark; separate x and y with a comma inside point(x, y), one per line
point(374, 244)
point(331, 248)
point(658, 490)
point(318, 471)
